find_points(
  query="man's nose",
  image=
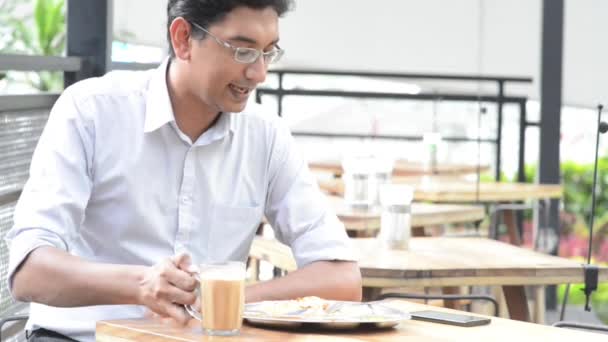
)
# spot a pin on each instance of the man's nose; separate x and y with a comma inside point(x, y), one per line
point(257, 70)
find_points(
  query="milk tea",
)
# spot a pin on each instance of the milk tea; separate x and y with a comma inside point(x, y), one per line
point(222, 306)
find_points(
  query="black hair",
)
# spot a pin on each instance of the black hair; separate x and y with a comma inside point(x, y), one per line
point(208, 12)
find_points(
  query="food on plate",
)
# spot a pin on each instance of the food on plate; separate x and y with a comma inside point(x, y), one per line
point(313, 307)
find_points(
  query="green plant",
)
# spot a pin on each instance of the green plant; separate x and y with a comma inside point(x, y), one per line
point(45, 37)
point(530, 172)
point(488, 177)
point(578, 180)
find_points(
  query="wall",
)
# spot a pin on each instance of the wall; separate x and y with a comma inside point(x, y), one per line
point(439, 36)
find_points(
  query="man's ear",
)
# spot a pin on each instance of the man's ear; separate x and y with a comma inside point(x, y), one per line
point(180, 32)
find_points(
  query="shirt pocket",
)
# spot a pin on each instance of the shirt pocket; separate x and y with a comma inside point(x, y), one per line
point(232, 231)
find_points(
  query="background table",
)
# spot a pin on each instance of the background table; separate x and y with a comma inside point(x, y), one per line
point(440, 261)
point(367, 222)
point(450, 190)
point(498, 330)
point(404, 168)
point(435, 189)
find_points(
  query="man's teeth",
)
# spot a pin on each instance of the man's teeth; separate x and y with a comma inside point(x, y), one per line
point(239, 89)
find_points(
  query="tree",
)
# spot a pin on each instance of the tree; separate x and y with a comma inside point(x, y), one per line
point(41, 32)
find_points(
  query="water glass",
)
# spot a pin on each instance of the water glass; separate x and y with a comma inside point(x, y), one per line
point(395, 221)
point(359, 182)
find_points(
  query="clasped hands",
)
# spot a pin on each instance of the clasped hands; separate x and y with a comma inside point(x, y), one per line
point(167, 286)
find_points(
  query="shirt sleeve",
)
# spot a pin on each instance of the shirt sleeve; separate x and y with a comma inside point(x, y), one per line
point(297, 210)
point(51, 206)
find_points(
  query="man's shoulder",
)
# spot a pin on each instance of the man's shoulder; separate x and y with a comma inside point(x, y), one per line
point(115, 85)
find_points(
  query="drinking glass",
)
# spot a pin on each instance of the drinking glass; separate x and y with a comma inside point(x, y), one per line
point(222, 298)
point(395, 221)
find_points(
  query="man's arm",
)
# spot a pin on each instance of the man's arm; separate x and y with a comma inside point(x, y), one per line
point(53, 277)
point(302, 219)
point(338, 280)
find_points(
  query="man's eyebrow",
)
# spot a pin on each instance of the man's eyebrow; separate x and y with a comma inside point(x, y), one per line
point(249, 40)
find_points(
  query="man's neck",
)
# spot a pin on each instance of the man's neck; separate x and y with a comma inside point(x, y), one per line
point(192, 116)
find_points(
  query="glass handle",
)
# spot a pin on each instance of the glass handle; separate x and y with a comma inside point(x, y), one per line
point(193, 313)
point(189, 309)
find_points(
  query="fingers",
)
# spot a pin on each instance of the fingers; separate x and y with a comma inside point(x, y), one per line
point(178, 277)
point(183, 261)
point(178, 296)
point(178, 313)
point(167, 286)
point(169, 312)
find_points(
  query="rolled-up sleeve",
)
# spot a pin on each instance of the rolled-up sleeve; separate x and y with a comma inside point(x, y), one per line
point(297, 210)
point(51, 206)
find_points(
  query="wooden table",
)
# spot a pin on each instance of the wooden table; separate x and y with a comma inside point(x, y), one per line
point(404, 168)
point(453, 191)
point(449, 190)
point(363, 223)
point(498, 330)
point(440, 261)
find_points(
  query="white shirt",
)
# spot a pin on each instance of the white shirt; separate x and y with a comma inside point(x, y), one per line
point(114, 180)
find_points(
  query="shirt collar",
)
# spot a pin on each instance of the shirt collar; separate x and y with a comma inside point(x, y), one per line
point(225, 124)
point(159, 110)
point(158, 104)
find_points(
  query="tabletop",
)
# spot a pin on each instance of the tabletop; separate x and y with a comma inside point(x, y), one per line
point(448, 261)
point(423, 214)
point(459, 191)
point(405, 168)
point(499, 329)
point(445, 261)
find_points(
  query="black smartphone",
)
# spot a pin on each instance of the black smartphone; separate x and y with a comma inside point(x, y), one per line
point(449, 318)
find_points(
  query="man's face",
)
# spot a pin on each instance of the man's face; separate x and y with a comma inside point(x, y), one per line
point(216, 78)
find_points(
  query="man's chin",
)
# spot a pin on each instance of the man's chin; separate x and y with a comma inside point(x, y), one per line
point(235, 107)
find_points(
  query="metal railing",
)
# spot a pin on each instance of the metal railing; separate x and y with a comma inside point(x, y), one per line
point(11, 62)
point(132, 66)
point(10, 103)
point(499, 98)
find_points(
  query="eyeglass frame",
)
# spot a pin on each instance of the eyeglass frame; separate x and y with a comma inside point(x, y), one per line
point(259, 53)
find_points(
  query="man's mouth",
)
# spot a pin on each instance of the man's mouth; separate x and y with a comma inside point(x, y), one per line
point(243, 91)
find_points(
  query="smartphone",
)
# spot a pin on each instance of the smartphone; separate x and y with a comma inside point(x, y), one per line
point(449, 318)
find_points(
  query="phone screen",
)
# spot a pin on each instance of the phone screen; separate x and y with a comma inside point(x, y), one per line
point(449, 318)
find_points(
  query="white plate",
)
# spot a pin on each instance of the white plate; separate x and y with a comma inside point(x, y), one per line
point(296, 313)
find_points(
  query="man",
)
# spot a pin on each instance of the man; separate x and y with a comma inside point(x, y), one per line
point(134, 169)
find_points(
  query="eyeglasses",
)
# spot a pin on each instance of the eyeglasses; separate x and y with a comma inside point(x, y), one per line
point(246, 55)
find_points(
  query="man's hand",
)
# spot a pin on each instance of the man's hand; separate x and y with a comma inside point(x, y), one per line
point(168, 285)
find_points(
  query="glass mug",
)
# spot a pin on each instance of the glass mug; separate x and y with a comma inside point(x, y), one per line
point(222, 298)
